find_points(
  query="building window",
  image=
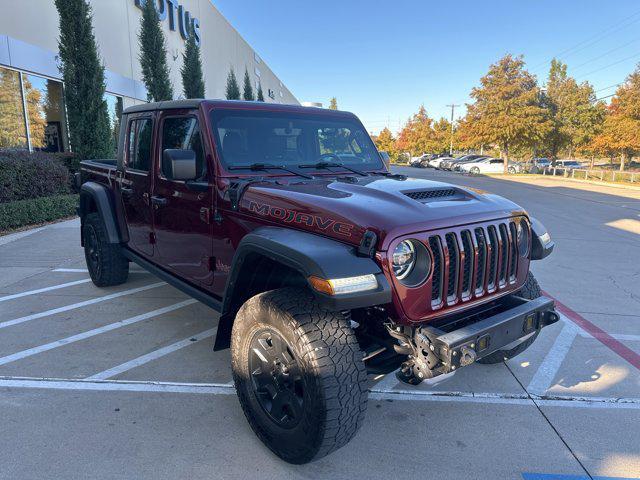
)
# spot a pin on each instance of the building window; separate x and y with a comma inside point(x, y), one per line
point(256, 58)
point(257, 70)
point(46, 114)
point(13, 130)
point(114, 107)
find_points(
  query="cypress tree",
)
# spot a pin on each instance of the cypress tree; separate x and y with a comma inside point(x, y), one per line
point(84, 86)
point(192, 81)
point(153, 55)
point(260, 96)
point(247, 93)
point(233, 90)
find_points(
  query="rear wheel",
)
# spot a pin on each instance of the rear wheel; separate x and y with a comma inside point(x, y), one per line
point(105, 262)
point(530, 290)
point(299, 374)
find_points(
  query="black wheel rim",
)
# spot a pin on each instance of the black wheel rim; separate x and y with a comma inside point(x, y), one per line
point(92, 250)
point(276, 378)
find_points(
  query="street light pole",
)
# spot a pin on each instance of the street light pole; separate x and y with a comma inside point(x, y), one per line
point(451, 143)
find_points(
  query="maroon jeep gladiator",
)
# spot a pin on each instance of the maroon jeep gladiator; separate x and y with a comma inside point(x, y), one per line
point(323, 264)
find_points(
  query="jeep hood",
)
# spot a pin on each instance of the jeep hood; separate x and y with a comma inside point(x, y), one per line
point(344, 208)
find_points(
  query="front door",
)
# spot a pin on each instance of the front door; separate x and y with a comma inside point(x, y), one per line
point(183, 214)
point(135, 183)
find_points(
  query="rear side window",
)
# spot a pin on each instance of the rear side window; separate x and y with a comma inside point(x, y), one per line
point(183, 133)
point(140, 136)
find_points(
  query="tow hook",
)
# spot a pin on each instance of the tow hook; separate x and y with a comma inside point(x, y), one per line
point(467, 356)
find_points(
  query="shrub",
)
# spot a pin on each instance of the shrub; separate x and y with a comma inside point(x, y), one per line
point(36, 210)
point(25, 175)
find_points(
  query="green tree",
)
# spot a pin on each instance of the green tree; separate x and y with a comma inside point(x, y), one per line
point(621, 129)
point(192, 79)
point(153, 55)
point(506, 109)
point(260, 96)
point(233, 90)
point(83, 75)
point(574, 113)
point(247, 89)
point(333, 103)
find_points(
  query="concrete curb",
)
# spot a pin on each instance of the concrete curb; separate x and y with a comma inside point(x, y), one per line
point(563, 179)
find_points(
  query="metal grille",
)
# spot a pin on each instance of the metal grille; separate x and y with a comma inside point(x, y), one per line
point(493, 256)
point(513, 264)
point(438, 265)
point(427, 194)
point(453, 252)
point(467, 265)
point(472, 263)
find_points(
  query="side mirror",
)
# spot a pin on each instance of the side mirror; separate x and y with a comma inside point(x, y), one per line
point(386, 159)
point(179, 164)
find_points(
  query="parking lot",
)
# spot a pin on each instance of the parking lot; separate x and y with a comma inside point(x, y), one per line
point(122, 382)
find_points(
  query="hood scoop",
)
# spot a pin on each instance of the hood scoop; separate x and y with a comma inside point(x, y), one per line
point(435, 194)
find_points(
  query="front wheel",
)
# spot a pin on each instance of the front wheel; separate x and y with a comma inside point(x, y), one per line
point(299, 374)
point(474, 171)
point(512, 170)
point(530, 290)
point(105, 262)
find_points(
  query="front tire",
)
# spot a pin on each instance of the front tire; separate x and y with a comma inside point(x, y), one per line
point(105, 262)
point(474, 171)
point(299, 374)
point(512, 170)
point(530, 290)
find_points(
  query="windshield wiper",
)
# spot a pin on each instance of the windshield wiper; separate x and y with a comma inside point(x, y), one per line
point(327, 165)
point(261, 167)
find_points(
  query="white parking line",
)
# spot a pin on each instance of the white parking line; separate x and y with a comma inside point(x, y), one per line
point(92, 333)
point(119, 386)
point(149, 357)
point(227, 389)
point(73, 306)
point(618, 336)
point(551, 364)
point(42, 290)
point(84, 270)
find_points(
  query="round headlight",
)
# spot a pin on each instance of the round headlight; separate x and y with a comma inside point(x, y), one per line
point(403, 260)
point(411, 263)
point(523, 238)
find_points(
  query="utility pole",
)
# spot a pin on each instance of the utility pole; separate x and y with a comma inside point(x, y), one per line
point(451, 144)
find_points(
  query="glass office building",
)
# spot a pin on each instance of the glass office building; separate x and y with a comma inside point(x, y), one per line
point(32, 107)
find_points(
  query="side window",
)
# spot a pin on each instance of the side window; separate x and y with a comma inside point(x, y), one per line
point(140, 136)
point(497, 160)
point(183, 133)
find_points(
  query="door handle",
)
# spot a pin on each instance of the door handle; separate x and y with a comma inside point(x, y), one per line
point(158, 201)
point(127, 192)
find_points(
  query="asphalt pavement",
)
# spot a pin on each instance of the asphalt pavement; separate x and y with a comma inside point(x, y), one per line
point(123, 383)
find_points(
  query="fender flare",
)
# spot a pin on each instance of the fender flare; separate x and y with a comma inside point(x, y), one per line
point(541, 244)
point(307, 254)
point(102, 198)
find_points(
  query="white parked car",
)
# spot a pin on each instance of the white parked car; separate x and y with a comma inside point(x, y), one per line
point(435, 163)
point(484, 165)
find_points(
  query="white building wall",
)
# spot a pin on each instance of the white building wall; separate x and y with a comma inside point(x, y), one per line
point(29, 36)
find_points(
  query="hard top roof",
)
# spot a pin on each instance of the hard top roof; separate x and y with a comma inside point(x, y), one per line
point(239, 104)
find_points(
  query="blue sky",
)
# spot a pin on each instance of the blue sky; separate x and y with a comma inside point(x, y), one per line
point(382, 59)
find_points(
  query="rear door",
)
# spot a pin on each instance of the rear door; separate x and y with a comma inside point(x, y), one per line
point(135, 182)
point(182, 214)
point(496, 165)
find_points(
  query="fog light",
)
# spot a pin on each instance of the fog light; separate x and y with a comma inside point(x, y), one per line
point(530, 322)
point(341, 286)
point(482, 343)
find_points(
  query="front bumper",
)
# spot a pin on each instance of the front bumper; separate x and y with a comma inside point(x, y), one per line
point(472, 341)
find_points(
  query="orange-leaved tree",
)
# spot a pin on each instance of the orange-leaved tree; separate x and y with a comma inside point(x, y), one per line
point(621, 130)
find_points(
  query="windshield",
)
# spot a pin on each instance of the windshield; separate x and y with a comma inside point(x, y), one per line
point(244, 138)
